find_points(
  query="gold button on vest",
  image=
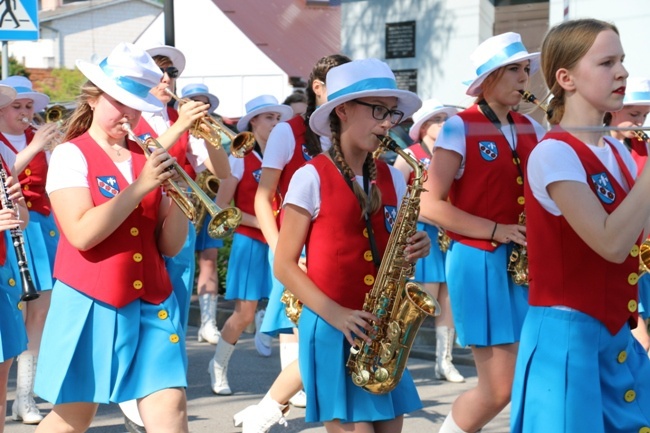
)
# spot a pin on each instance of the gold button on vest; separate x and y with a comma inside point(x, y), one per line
point(630, 395)
point(622, 356)
point(29, 204)
point(52, 233)
point(644, 429)
point(162, 315)
point(631, 305)
point(28, 172)
point(26, 187)
point(12, 282)
point(365, 233)
point(633, 278)
point(367, 256)
point(137, 284)
point(369, 280)
point(137, 257)
point(520, 180)
point(174, 338)
point(134, 231)
point(634, 252)
point(516, 161)
point(20, 306)
point(521, 200)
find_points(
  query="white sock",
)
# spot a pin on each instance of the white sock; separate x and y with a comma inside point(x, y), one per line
point(288, 353)
point(450, 426)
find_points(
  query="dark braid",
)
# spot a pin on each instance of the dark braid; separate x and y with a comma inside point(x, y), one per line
point(312, 140)
point(337, 155)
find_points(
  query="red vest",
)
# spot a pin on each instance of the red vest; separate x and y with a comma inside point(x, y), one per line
point(421, 155)
point(564, 270)
point(33, 178)
point(639, 152)
point(127, 264)
point(491, 186)
point(245, 194)
point(300, 155)
point(339, 260)
point(179, 149)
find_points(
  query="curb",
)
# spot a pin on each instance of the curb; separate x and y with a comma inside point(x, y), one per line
point(424, 347)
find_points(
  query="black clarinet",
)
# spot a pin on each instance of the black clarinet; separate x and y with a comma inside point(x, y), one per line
point(29, 290)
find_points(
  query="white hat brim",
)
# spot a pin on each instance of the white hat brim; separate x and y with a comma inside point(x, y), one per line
point(407, 102)
point(174, 54)
point(7, 95)
point(40, 99)
point(414, 132)
point(285, 111)
point(213, 100)
point(643, 102)
point(97, 76)
point(474, 88)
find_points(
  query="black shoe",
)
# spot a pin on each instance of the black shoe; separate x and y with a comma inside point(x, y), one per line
point(132, 427)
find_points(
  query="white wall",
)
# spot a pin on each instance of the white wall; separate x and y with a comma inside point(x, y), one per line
point(219, 55)
point(447, 31)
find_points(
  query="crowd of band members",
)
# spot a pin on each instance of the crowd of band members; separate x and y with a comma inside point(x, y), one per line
point(579, 328)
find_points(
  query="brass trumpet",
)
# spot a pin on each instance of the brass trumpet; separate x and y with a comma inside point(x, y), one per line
point(54, 114)
point(210, 130)
point(223, 222)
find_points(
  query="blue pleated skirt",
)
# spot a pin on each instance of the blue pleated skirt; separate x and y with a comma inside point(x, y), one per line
point(489, 308)
point(181, 269)
point(41, 239)
point(93, 352)
point(249, 274)
point(13, 336)
point(328, 385)
point(644, 296)
point(275, 318)
point(204, 241)
point(572, 375)
point(431, 269)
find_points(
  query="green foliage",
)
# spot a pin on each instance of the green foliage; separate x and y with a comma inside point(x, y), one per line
point(16, 68)
point(222, 263)
point(67, 83)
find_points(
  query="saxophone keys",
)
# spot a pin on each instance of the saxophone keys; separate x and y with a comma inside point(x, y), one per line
point(381, 375)
point(361, 378)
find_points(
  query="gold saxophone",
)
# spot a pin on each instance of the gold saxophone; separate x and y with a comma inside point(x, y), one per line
point(399, 304)
point(518, 261)
point(292, 306)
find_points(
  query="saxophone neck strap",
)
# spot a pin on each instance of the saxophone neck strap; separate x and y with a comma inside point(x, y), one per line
point(366, 214)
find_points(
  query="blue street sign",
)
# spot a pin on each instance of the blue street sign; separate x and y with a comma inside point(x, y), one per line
point(18, 20)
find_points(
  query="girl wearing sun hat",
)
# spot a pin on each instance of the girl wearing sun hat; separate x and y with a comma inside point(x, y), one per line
point(430, 271)
point(41, 236)
point(325, 209)
point(113, 310)
point(475, 192)
point(249, 275)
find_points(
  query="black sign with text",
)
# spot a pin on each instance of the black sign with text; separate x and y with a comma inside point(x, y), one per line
point(407, 79)
point(400, 40)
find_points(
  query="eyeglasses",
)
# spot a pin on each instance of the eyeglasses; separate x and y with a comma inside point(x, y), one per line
point(379, 112)
point(171, 71)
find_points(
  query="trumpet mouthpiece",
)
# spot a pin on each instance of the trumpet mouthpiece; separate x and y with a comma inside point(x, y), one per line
point(25, 120)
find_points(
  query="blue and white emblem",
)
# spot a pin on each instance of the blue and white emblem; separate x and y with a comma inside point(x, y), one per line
point(108, 186)
point(426, 161)
point(305, 154)
point(604, 188)
point(489, 151)
point(390, 214)
point(257, 174)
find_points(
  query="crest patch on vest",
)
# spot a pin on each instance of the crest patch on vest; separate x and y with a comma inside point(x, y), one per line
point(390, 213)
point(257, 174)
point(108, 186)
point(604, 188)
point(489, 151)
point(426, 161)
point(305, 154)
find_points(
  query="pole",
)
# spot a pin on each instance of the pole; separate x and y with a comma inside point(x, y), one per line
point(168, 10)
point(5, 59)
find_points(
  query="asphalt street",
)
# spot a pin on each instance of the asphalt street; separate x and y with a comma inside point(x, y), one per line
point(250, 376)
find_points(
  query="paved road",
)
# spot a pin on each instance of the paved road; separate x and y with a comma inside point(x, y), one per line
point(250, 377)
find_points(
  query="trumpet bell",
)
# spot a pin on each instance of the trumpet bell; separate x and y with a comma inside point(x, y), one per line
point(242, 144)
point(224, 222)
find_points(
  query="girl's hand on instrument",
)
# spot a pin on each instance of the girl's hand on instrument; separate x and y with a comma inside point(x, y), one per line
point(419, 246)
point(155, 173)
point(14, 191)
point(506, 233)
point(8, 219)
point(44, 135)
point(355, 323)
point(189, 112)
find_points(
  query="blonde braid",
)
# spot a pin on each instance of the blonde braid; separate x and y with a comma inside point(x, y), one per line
point(375, 192)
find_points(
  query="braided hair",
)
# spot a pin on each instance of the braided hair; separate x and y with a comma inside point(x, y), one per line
point(312, 140)
point(369, 205)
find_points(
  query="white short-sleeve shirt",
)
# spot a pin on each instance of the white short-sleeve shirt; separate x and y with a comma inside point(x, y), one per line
point(281, 145)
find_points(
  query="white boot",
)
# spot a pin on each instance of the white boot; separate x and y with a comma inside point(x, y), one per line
point(289, 354)
point(218, 368)
point(444, 369)
point(24, 407)
point(208, 330)
point(259, 418)
point(449, 426)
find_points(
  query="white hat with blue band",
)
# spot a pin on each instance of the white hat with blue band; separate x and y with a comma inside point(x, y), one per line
point(263, 104)
point(637, 91)
point(127, 74)
point(495, 52)
point(360, 79)
point(24, 90)
point(199, 89)
point(430, 108)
